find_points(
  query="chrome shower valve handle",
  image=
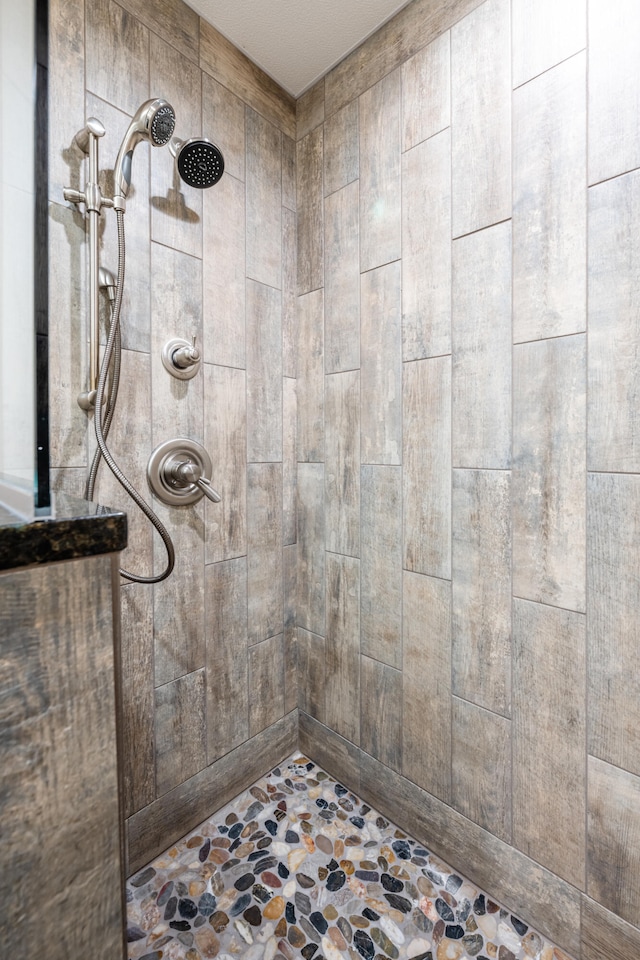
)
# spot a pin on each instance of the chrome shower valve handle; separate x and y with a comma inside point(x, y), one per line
point(181, 358)
point(178, 472)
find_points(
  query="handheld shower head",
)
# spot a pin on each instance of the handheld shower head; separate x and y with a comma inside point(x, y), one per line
point(200, 163)
point(154, 121)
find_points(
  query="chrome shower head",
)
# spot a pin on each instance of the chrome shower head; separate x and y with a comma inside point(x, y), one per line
point(200, 163)
point(154, 121)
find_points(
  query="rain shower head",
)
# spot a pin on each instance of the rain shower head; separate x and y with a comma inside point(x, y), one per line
point(154, 121)
point(200, 163)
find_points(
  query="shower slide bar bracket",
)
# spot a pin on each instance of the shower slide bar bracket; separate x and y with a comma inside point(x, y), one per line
point(87, 141)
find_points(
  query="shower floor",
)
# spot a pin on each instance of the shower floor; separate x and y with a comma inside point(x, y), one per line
point(298, 866)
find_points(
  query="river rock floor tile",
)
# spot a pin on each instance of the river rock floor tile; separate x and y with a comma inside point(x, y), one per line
point(298, 866)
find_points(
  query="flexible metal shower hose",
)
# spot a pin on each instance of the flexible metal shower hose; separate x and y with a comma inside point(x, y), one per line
point(102, 427)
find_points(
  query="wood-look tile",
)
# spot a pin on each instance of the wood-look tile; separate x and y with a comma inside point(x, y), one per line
point(381, 365)
point(613, 528)
point(264, 372)
point(426, 249)
point(426, 92)
point(481, 334)
point(548, 472)
point(225, 439)
point(380, 192)
point(549, 209)
point(223, 273)
point(310, 110)
point(288, 173)
point(180, 731)
point(223, 122)
point(426, 680)
point(535, 47)
point(481, 117)
point(290, 582)
point(613, 839)
point(172, 20)
point(381, 552)
point(604, 936)
point(614, 89)
point(227, 64)
point(404, 35)
point(65, 79)
point(342, 646)
point(289, 461)
point(427, 466)
point(264, 200)
point(311, 555)
point(176, 209)
point(311, 677)
point(381, 712)
point(310, 380)
point(266, 682)
point(330, 751)
point(614, 325)
point(342, 280)
point(226, 656)
point(341, 148)
point(481, 588)
point(289, 293)
point(71, 480)
point(264, 550)
point(309, 164)
point(549, 737)
point(481, 767)
point(117, 56)
point(342, 462)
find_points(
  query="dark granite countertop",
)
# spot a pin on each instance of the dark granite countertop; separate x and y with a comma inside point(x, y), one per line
point(78, 529)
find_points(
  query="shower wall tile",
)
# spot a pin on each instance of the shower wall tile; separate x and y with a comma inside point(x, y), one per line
point(223, 122)
point(228, 65)
point(290, 581)
point(481, 775)
point(289, 461)
point(342, 280)
point(264, 200)
point(614, 839)
point(481, 588)
point(481, 333)
point(426, 677)
point(138, 699)
point(426, 92)
point(264, 551)
point(381, 365)
point(605, 936)
point(310, 110)
point(288, 173)
point(117, 56)
point(266, 683)
point(264, 372)
point(427, 466)
point(225, 440)
point(380, 194)
point(426, 249)
point(223, 273)
point(341, 149)
point(481, 117)
point(310, 366)
point(381, 712)
point(173, 20)
point(226, 656)
point(342, 646)
point(614, 89)
point(176, 209)
point(549, 204)
point(65, 78)
point(289, 293)
point(535, 47)
point(180, 730)
point(549, 737)
point(342, 462)
point(311, 543)
point(311, 674)
point(614, 325)
point(381, 552)
point(309, 163)
point(613, 532)
point(548, 472)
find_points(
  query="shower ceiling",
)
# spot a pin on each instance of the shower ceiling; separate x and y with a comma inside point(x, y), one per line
point(296, 41)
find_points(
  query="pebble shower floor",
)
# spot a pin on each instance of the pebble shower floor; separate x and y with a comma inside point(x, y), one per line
point(298, 866)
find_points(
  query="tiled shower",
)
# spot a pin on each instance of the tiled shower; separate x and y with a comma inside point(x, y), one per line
point(416, 291)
